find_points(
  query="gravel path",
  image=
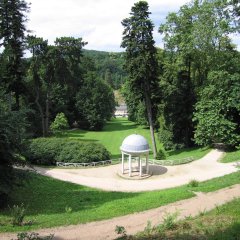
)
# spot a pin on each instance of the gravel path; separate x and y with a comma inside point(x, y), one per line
point(106, 178)
point(104, 230)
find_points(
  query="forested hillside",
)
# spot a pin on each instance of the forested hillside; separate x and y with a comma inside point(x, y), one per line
point(108, 66)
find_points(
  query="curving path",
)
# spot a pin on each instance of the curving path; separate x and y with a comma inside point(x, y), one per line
point(106, 178)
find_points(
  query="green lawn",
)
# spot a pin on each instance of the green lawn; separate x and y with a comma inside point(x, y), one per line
point(195, 152)
point(117, 129)
point(46, 200)
point(112, 134)
point(231, 156)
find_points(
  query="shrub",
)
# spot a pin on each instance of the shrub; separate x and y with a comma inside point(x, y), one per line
point(18, 213)
point(120, 230)
point(193, 183)
point(33, 236)
point(166, 138)
point(48, 151)
point(170, 221)
point(161, 154)
point(60, 123)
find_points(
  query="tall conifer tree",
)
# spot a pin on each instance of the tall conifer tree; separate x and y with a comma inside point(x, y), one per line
point(141, 61)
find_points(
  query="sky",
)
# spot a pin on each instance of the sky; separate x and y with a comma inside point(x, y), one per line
point(97, 22)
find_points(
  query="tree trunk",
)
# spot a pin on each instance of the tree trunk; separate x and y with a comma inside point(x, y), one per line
point(41, 113)
point(47, 115)
point(17, 101)
point(150, 121)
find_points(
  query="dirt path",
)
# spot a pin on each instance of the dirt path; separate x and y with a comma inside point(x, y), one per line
point(106, 178)
point(104, 230)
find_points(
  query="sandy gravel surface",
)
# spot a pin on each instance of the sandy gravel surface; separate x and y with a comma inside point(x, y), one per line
point(104, 230)
point(106, 178)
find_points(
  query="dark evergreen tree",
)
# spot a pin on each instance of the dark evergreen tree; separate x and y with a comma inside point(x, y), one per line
point(141, 60)
point(12, 36)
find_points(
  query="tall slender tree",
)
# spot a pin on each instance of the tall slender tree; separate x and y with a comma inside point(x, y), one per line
point(141, 60)
point(12, 35)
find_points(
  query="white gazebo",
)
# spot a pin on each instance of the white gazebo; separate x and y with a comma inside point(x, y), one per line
point(135, 146)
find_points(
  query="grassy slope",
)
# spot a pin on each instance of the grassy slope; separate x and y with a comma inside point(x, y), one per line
point(47, 198)
point(221, 223)
point(231, 157)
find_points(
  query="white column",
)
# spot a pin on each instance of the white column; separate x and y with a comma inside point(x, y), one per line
point(140, 170)
point(122, 163)
point(147, 166)
point(130, 165)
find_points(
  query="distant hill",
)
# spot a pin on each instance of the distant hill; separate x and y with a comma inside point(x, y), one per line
point(109, 66)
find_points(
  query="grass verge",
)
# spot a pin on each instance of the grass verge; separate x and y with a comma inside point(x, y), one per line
point(52, 202)
point(231, 156)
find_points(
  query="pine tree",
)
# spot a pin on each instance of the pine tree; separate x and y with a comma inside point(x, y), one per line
point(12, 36)
point(141, 61)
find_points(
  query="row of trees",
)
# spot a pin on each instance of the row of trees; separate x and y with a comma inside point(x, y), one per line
point(193, 84)
point(56, 78)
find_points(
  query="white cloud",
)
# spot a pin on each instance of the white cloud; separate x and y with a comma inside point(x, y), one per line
point(97, 21)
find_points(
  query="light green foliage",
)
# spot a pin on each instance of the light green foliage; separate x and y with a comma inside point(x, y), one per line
point(68, 209)
point(169, 221)
point(197, 42)
point(60, 123)
point(18, 213)
point(217, 112)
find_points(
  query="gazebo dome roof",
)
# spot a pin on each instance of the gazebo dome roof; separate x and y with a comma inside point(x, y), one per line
point(135, 144)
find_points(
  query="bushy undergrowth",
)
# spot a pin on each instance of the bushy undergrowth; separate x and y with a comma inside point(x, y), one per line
point(48, 151)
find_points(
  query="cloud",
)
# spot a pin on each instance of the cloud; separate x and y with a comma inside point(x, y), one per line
point(98, 22)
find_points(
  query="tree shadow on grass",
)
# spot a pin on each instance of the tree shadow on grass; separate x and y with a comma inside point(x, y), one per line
point(188, 150)
point(45, 195)
point(122, 125)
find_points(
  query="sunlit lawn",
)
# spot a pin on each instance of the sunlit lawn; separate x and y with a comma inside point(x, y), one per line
point(116, 130)
point(113, 134)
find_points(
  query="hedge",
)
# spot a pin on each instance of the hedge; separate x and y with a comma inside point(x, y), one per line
point(48, 151)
